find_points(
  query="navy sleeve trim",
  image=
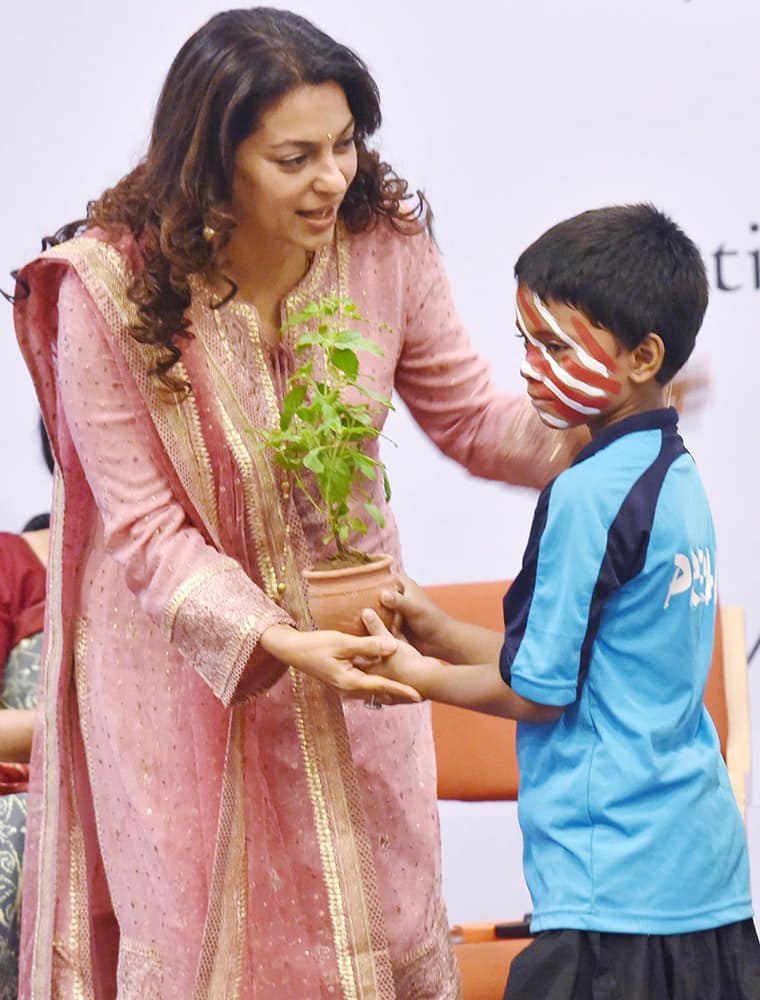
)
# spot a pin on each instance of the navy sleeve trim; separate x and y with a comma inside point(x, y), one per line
point(628, 540)
point(519, 597)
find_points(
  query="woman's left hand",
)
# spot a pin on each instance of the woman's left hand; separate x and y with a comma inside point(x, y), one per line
point(329, 656)
point(690, 389)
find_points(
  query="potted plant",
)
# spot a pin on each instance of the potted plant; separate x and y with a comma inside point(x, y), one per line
point(327, 417)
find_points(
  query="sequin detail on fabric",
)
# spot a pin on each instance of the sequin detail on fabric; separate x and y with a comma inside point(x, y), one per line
point(140, 973)
point(430, 972)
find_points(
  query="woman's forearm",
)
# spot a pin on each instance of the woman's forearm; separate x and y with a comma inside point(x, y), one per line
point(16, 727)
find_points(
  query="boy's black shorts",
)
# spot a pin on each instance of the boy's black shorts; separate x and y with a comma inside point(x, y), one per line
point(718, 964)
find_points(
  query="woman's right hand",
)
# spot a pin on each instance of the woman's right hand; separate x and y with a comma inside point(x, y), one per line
point(329, 655)
point(424, 623)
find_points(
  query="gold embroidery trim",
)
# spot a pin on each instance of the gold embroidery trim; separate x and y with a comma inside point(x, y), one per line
point(242, 639)
point(185, 589)
point(326, 848)
point(262, 365)
point(220, 967)
point(106, 275)
point(79, 924)
point(265, 518)
point(189, 418)
point(134, 958)
point(254, 515)
point(41, 975)
point(256, 490)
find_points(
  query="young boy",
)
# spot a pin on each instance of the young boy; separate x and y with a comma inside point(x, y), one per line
point(634, 849)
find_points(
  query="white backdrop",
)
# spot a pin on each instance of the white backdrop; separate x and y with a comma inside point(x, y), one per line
point(511, 116)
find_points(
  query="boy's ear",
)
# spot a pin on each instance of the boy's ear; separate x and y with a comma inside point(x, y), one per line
point(647, 358)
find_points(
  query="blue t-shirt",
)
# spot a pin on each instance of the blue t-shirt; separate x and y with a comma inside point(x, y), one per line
point(628, 818)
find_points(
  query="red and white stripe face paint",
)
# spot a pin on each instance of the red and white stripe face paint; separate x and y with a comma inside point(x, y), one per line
point(572, 378)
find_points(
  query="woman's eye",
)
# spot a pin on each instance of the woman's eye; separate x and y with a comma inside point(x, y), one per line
point(293, 161)
point(346, 143)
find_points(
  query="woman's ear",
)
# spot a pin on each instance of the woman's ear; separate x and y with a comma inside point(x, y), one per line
point(647, 358)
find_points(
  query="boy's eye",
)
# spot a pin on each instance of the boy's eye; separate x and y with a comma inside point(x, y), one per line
point(555, 347)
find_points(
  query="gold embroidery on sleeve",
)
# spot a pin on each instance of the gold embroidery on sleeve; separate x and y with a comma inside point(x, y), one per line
point(186, 588)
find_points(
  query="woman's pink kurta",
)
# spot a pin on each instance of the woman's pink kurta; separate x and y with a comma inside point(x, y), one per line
point(254, 835)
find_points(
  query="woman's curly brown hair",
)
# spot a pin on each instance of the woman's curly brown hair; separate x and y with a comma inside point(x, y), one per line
point(225, 76)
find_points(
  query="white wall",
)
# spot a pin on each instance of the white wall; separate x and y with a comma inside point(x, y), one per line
point(511, 116)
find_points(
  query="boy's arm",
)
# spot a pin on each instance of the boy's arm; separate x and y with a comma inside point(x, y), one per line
point(475, 685)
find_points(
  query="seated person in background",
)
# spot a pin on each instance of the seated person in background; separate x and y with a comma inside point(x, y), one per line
point(23, 561)
point(634, 849)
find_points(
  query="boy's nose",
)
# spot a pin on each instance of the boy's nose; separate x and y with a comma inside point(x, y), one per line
point(533, 356)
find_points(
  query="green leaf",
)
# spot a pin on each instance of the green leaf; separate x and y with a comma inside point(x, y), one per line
point(323, 431)
point(362, 418)
point(308, 414)
point(366, 465)
point(386, 484)
point(337, 485)
point(346, 361)
point(375, 513)
point(313, 461)
point(357, 342)
point(290, 403)
point(302, 374)
point(376, 397)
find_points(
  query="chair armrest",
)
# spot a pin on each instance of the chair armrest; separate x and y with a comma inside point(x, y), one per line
point(471, 933)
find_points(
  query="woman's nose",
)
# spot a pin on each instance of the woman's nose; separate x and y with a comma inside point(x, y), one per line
point(330, 178)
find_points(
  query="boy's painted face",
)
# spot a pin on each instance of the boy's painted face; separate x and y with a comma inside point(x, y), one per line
point(571, 366)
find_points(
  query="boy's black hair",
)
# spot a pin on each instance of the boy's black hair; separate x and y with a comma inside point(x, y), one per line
point(37, 523)
point(630, 269)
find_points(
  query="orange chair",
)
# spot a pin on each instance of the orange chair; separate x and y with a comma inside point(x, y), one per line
point(477, 761)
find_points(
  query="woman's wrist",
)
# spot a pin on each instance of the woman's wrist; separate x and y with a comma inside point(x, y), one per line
point(279, 640)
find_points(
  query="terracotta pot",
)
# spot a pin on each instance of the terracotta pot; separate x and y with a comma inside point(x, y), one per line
point(337, 596)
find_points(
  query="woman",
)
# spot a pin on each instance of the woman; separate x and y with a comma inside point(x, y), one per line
point(261, 833)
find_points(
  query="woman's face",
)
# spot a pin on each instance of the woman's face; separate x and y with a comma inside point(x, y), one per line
point(292, 173)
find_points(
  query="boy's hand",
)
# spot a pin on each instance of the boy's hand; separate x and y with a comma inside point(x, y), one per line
point(333, 658)
point(424, 623)
point(404, 666)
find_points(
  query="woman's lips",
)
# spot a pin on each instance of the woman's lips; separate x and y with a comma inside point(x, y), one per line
point(320, 219)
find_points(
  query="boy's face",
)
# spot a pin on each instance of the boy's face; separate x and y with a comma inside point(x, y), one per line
point(575, 371)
